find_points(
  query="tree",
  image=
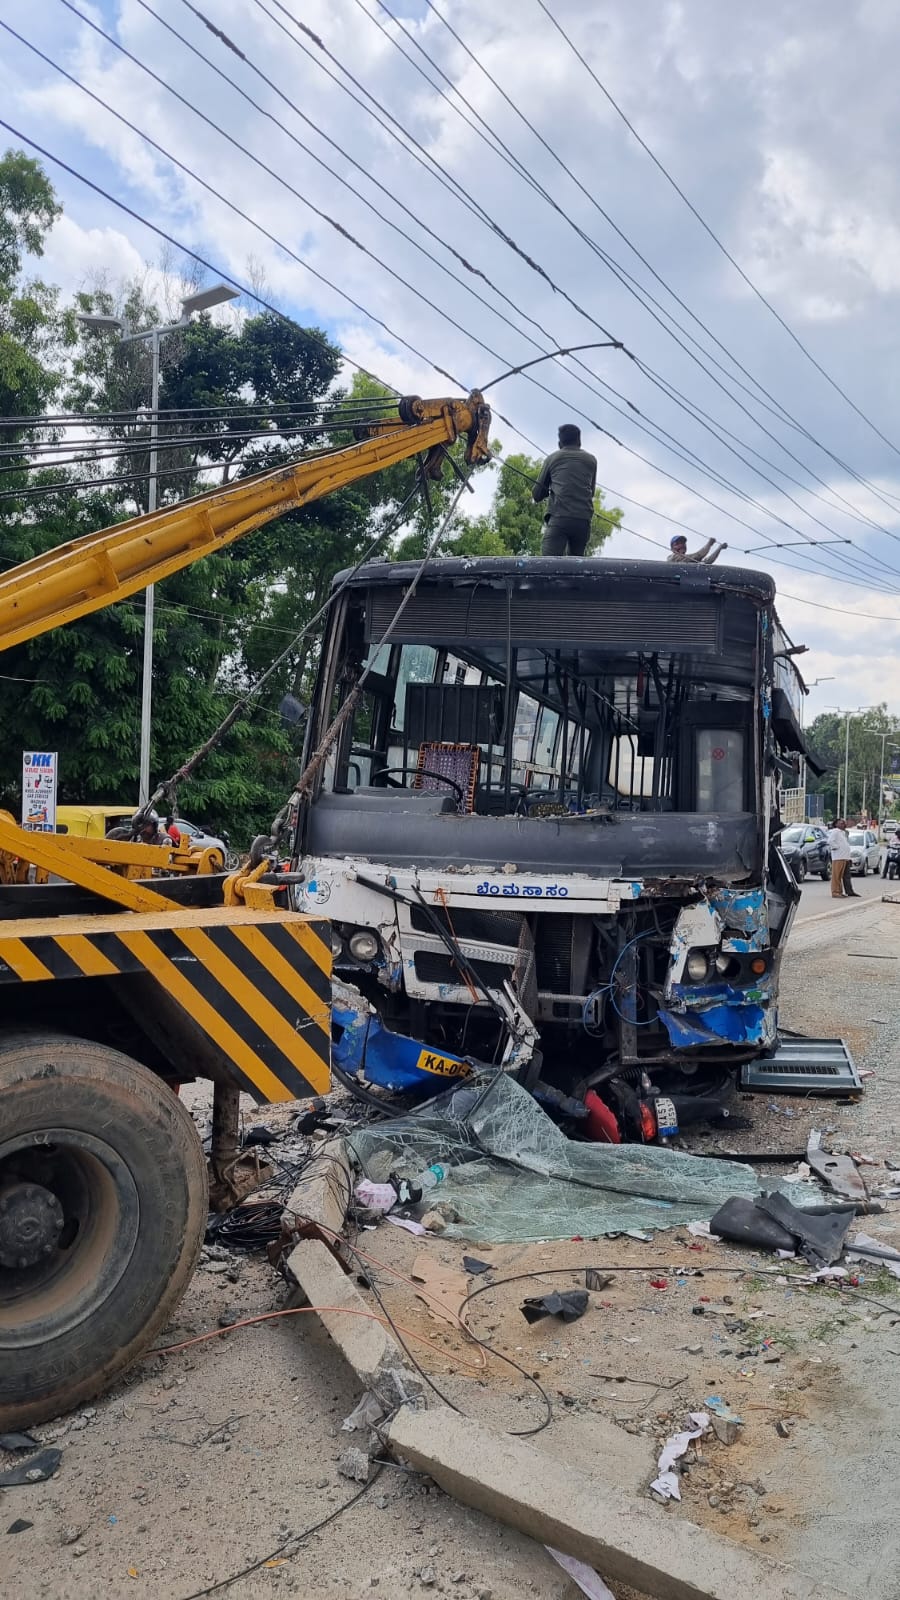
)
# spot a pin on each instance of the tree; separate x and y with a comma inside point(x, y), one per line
point(514, 523)
point(827, 736)
point(31, 333)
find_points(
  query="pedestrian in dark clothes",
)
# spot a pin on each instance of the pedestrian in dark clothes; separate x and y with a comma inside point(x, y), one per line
point(567, 479)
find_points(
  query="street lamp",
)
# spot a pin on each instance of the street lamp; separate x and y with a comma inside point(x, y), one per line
point(847, 714)
point(890, 746)
point(203, 300)
point(809, 686)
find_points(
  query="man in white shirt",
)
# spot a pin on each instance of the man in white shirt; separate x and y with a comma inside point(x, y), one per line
point(839, 845)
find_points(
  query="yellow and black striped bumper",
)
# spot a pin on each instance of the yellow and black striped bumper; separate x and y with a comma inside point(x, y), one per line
point(258, 983)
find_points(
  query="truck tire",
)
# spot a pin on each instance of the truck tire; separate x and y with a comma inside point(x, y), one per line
point(103, 1207)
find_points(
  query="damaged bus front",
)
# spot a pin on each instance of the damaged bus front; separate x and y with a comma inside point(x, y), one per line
point(543, 838)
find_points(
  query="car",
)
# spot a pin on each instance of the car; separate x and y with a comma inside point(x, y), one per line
point(865, 851)
point(804, 846)
point(890, 826)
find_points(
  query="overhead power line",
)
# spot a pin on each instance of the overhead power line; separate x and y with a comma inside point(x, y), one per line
point(745, 277)
point(653, 429)
point(631, 284)
point(228, 277)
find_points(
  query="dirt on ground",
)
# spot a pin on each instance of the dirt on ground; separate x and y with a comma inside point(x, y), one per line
point(214, 1460)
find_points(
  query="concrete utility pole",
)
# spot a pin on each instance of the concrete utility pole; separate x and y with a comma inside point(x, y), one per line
point(204, 300)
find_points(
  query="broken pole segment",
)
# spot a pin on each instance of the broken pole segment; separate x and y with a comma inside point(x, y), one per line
point(624, 1539)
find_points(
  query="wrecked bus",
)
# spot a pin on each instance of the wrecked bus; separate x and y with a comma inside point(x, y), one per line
point(544, 836)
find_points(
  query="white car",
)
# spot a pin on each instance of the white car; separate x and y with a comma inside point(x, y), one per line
point(865, 851)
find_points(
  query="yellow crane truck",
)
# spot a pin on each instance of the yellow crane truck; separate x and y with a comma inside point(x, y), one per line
point(117, 984)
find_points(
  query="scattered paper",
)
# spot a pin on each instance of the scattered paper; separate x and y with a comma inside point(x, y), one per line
point(407, 1223)
point(667, 1485)
point(585, 1577)
point(701, 1230)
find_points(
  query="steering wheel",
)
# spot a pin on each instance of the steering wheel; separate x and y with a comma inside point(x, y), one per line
point(420, 772)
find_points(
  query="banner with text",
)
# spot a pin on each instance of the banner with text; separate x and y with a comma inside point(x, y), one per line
point(39, 791)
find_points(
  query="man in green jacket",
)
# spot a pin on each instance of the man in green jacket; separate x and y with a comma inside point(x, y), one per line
point(568, 479)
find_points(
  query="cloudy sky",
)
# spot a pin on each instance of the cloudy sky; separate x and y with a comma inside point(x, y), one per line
point(504, 209)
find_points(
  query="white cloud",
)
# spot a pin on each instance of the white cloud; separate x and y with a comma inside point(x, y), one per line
point(780, 122)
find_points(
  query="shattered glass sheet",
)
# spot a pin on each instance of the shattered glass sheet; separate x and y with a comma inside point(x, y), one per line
point(513, 1176)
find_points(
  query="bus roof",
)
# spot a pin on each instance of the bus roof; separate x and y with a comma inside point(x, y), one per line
point(694, 576)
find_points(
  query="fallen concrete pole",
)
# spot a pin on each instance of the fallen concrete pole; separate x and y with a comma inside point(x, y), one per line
point(625, 1539)
point(325, 1193)
point(577, 1513)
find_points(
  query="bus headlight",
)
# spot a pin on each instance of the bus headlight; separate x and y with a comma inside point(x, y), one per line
point(364, 945)
point(697, 965)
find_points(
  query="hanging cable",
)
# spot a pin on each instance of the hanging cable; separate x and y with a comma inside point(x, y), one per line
point(712, 234)
point(631, 284)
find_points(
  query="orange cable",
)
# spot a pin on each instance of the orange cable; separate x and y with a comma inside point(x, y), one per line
point(294, 1311)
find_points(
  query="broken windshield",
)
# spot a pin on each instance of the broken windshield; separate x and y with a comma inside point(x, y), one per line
point(556, 700)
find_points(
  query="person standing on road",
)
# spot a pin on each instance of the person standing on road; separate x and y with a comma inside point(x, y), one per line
point(678, 545)
point(568, 479)
point(839, 845)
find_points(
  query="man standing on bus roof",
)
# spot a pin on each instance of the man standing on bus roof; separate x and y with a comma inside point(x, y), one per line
point(569, 478)
point(678, 544)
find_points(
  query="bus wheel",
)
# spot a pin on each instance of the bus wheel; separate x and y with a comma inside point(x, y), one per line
point(103, 1206)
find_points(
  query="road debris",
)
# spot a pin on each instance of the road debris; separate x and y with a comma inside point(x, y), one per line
point(19, 1526)
point(35, 1469)
point(771, 1222)
point(18, 1441)
point(568, 1306)
point(443, 1289)
point(584, 1576)
point(476, 1267)
point(354, 1463)
point(839, 1172)
point(666, 1483)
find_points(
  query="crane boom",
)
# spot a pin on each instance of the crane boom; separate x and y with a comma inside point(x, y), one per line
point(87, 574)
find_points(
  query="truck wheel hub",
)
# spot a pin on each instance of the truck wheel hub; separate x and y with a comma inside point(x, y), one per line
point(31, 1221)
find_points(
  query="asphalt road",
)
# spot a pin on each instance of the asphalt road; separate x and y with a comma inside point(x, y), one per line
point(815, 896)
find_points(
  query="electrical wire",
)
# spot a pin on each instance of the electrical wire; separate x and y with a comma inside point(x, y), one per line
point(341, 178)
point(178, 244)
point(785, 416)
point(54, 454)
point(294, 1538)
point(186, 770)
point(618, 270)
point(240, 409)
point(300, 1311)
point(652, 428)
point(667, 439)
point(710, 231)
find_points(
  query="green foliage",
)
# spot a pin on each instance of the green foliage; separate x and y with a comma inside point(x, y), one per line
point(514, 524)
point(220, 622)
point(31, 332)
point(826, 736)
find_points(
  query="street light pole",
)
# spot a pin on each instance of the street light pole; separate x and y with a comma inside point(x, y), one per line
point(884, 740)
point(150, 592)
point(203, 300)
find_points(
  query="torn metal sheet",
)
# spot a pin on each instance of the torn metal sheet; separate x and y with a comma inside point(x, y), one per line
point(737, 1024)
point(840, 1173)
point(390, 1060)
